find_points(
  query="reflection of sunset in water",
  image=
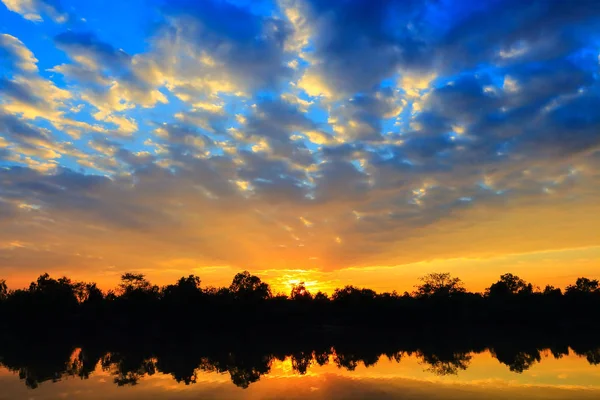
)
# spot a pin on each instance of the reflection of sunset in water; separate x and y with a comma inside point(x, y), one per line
point(569, 377)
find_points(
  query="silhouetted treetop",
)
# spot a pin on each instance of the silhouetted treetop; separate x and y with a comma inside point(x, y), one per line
point(353, 294)
point(584, 285)
point(321, 297)
point(439, 285)
point(299, 292)
point(509, 284)
point(192, 282)
point(249, 287)
point(3, 290)
point(186, 287)
point(550, 290)
point(131, 282)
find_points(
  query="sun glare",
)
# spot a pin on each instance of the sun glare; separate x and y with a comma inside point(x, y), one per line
point(312, 286)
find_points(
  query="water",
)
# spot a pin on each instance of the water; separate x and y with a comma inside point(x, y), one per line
point(486, 374)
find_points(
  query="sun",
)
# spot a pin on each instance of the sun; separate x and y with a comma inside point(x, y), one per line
point(311, 286)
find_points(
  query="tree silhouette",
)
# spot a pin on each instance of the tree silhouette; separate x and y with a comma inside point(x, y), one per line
point(186, 289)
point(249, 287)
point(87, 292)
point(3, 290)
point(509, 284)
point(131, 282)
point(439, 285)
point(48, 300)
point(299, 292)
point(550, 290)
point(584, 286)
point(351, 293)
point(321, 297)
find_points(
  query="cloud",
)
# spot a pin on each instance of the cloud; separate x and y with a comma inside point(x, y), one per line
point(538, 31)
point(33, 10)
point(16, 55)
point(363, 116)
point(417, 36)
point(25, 92)
point(201, 51)
point(403, 132)
point(88, 50)
point(339, 31)
point(109, 75)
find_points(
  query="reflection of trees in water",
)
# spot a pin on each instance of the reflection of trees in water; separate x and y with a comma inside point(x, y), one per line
point(322, 356)
point(394, 355)
point(247, 368)
point(351, 359)
point(593, 356)
point(38, 363)
point(247, 364)
point(446, 364)
point(243, 367)
point(517, 360)
point(85, 361)
point(591, 353)
point(182, 367)
point(301, 361)
point(128, 369)
point(558, 351)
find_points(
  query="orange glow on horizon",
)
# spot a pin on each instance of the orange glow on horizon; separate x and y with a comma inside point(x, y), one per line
point(539, 268)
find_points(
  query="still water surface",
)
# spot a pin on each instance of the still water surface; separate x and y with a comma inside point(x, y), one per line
point(400, 376)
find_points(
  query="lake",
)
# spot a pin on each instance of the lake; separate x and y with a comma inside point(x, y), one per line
point(50, 372)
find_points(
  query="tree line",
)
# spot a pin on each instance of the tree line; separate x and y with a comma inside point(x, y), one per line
point(438, 300)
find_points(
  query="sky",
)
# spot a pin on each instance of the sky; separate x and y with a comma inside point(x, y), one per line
point(331, 142)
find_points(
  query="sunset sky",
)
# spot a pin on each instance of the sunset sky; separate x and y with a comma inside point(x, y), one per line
point(331, 142)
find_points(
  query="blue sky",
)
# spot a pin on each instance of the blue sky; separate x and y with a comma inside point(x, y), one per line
point(306, 135)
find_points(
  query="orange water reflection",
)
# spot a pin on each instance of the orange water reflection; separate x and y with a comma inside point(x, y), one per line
point(570, 377)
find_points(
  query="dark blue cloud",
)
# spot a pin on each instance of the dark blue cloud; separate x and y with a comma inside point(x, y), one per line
point(87, 44)
point(18, 92)
point(376, 31)
point(20, 132)
point(551, 28)
point(249, 45)
point(360, 43)
point(570, 128)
